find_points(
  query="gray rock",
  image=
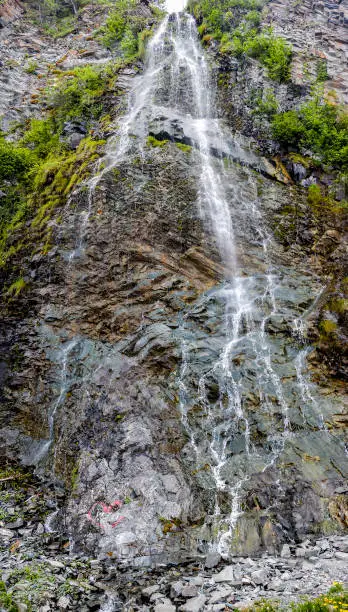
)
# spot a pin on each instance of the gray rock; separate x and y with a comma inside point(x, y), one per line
point(15, 525)
point(219, 595)
point(165, 605)
point(63, 603)
point(6, 533)
point(150, 590)
point(194, 605)
point(285, 552)
point(260, 576)
point(342, 545)
point(176, 589)
point(197, 580)
point(212, 560)
point(157, 596)
point(341, 555)
point(277, 585)
point(226, 575)
point(56, 564)
point(189, 590)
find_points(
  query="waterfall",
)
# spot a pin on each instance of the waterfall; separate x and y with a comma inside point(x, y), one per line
point(235, 377)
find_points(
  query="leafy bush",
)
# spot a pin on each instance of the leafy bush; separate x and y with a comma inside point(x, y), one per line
point(267, 104)
point(124, 26)
point(238, 31)
point(15, 161)
point(78, 94)
point(273, 52)
point(42, 137)
point(317, 126)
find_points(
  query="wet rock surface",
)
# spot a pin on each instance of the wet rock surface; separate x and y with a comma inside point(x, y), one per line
point(115, 384)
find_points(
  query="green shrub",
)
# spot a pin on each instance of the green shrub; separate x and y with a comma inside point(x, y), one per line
point(15, 161)
point(267, 105)
point(42, 137)
point(16, 288)
point(288, 128)
point(277, 59)
point(123, 27)
point(317, 126)
point(238, 31)
point(322, 74)
point(78, 94)
point(31, 68)
point(253, 17)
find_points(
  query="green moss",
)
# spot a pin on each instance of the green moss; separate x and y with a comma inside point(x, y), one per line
point(338, 305)
point(51, 183)
point(327, 327)
point(236, 25)
point(16, 288)
point(153, 142)
point(297, 158)
point(267, 104)
point(184, 147)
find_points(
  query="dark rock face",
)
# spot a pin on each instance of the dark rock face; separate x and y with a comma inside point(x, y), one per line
point(115, 386)
point(10, 10)
point(126, 290)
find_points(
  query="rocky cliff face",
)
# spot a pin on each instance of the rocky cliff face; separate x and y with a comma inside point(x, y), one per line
point(110, 358)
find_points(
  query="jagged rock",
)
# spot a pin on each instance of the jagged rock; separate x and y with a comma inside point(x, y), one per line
point(191, 590)
point(212, 560)
point(285, 551)
point(219, 595)
point(148, 591)
point(164, 605)
point(194, 605)
point(260, 576)
point(226, 575)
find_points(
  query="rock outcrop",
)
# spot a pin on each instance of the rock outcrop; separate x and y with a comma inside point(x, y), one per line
point(113, 385)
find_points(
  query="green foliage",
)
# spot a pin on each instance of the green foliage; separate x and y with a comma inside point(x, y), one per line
point(184, 147)
point(31, 67)
point(254, 18)
point(126, 29)
point(317, 126)
point(42, 137)
point(267, 104)
point(6, 600)
point(322, 74)
point(56, 17)
point(336, 599)
point(314, 196)
point(78, 94)
point(236, 24)
point(16, 288)
point(15, 161)
point(153, 142)
point(272, 51)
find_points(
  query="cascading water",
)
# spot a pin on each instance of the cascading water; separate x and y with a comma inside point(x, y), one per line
point(234, 372)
